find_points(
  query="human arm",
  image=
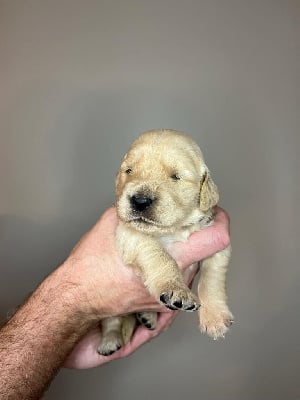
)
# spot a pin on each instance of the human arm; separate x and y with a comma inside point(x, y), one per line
point(91, 284)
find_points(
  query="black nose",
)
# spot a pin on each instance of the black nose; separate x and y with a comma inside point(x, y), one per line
point(140, 202)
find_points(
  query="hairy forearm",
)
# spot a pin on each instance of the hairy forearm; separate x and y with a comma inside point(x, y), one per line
point(37, 339)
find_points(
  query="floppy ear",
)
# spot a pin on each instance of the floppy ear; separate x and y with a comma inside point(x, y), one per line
point(209, 194)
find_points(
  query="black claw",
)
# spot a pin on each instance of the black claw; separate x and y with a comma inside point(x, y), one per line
point(190, 308)
point(164, 298)
point(170, 307)
point(177, 304)
point(148, 325)
point(108, 353)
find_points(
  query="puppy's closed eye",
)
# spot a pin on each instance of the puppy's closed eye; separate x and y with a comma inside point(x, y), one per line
point(175, 177)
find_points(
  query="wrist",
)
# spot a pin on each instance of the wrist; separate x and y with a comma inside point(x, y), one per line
point(69, 295)
point(40, 335)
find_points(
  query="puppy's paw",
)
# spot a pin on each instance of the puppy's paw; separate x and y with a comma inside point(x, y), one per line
point(179, 298)
point(215, 320)
point(148, 319)
point(110, 343)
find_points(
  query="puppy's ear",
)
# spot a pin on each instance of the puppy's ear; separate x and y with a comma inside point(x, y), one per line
point(209, 194)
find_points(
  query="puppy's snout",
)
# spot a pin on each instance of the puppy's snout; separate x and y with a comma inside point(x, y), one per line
point(140, 202)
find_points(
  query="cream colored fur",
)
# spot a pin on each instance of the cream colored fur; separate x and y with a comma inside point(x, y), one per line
point(166, 169)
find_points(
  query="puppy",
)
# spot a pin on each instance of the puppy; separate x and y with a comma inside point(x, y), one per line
point(164, 193)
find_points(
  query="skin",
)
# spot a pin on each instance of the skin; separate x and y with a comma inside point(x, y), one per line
point(58, 324)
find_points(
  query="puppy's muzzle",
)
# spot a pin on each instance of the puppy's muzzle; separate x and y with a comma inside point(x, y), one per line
point(141, 202)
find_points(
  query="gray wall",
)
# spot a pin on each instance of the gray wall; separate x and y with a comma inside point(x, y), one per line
point(79, 80)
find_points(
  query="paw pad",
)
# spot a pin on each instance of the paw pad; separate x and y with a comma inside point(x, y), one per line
point(180, 300)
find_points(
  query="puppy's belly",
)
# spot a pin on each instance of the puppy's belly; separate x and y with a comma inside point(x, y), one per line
point(193, 267)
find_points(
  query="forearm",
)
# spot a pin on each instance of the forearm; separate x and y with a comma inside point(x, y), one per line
point(37, 339)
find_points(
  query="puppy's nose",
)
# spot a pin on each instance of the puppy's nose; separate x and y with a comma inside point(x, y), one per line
point(140, 202)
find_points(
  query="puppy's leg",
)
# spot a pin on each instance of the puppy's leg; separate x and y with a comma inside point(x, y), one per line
point(128, 325)
point(157, 269)
point(162, 277)
point(116, 332)
point(215, 317)
point(148, 319)
point(112, 339)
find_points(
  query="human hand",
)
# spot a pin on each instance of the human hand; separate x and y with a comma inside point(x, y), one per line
point(114, 289)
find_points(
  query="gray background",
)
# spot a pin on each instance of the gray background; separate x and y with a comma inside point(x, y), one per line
point(79, 80)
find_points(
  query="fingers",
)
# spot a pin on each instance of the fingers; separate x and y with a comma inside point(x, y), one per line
point(84, 355)
point(205, 242)
point(222, 220)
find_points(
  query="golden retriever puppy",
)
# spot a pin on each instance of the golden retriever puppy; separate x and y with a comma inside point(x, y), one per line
point(164, 193)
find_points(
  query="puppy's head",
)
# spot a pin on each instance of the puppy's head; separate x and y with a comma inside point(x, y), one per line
point(163, 183)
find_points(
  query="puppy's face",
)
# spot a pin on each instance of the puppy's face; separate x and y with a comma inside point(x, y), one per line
point(163, 183)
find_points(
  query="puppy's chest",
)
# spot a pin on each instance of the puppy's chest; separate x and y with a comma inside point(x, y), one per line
point(131, 243)
point(183, 234)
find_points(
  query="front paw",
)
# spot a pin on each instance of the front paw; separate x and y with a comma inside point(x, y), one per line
point(179, 298)
point(215, 320)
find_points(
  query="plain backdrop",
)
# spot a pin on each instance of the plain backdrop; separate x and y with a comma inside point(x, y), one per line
point(79, 80)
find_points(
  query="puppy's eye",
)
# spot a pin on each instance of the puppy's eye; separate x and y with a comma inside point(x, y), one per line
point(128, 171)
point(175, 177)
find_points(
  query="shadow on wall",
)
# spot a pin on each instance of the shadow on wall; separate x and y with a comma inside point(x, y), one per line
point(29, 252)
